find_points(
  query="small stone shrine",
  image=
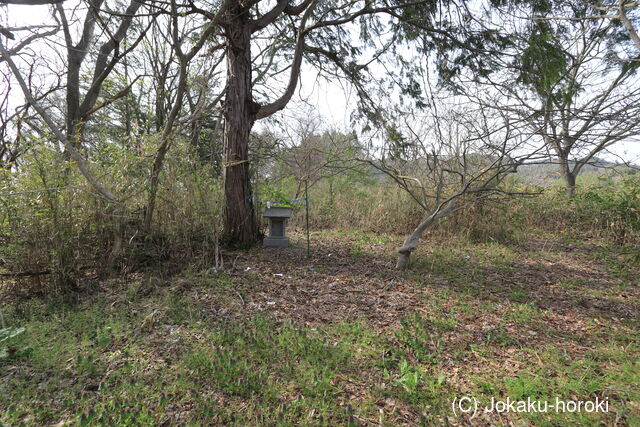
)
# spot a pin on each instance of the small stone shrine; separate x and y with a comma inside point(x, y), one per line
point(277, 216)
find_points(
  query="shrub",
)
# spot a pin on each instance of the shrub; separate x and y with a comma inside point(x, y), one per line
point(54, 227)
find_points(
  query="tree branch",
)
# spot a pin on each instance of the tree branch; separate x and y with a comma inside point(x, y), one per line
point(82, 165)
point(280, 103)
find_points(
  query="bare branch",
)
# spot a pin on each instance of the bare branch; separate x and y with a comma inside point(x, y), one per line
point(82, 165)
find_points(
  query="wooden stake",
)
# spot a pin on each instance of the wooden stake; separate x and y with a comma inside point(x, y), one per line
point(306, 200)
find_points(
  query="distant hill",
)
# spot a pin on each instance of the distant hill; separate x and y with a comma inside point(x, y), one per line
point(545, 174)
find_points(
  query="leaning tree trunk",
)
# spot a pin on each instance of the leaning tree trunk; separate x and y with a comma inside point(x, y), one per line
point(240, 225)
point(411, 242)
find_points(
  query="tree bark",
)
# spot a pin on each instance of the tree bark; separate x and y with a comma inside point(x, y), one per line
point(568, 176)
point(411, 242)
point(240, 110)
point(154, 182)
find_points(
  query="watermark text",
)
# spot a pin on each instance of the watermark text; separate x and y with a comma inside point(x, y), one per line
point(468, 405)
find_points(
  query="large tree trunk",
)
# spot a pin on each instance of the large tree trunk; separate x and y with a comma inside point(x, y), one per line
point(240, 113)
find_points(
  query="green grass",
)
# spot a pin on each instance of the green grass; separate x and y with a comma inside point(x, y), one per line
point(260, 372)
point(282, 373)
point(549, 373)
point(523, 313)
point(621, 263)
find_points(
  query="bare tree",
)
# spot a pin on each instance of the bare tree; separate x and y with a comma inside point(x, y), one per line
point(167, 135)
point(80, 105)
point(566, 82)
point(448, 158)
point(311, 154)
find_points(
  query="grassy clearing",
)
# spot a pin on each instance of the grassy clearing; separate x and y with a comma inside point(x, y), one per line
point(338, 340)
